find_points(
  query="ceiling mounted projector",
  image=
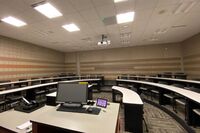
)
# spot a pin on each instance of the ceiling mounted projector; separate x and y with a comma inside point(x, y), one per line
point(104, 41)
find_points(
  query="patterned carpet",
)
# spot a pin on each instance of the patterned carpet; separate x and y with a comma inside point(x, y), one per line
point(157, 120)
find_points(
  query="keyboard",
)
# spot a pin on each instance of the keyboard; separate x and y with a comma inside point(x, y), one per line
point(95, 111)
point(72, 109)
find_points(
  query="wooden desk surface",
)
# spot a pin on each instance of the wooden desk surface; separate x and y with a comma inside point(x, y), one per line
point(26, 88)
point(11, 119)
point(105, 122)
point(169, 79)
point(41, 79)
point(42, 85)
point(129, 96)
point(186, 93)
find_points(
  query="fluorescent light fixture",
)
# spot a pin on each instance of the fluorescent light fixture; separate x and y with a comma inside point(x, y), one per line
point(48, 10)
point(71, 27)
point(125, 17)
point(13, 21)
point(117, 1)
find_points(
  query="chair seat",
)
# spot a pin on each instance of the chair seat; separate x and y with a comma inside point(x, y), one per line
point(40, 92)
point(130, 86)
point(197, 111)
point(14, 98)
point(155, 91)
point(2, 102)
point(53, 89)
point(169, 96)
point(24, 85)
point(2, 88)
point(143, 88)
point(181, 101)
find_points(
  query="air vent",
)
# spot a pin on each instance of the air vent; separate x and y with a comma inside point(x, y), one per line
point(125, 35)
point(38, 3)
point(109, 20)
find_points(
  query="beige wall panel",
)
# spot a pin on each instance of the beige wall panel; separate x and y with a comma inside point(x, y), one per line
point(25, 60)
point(191, 56)
point(133, 60)
point(191, 46)
point(137, 52)
point(70, 57)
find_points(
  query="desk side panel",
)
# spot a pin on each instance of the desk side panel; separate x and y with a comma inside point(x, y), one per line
point(4, 130)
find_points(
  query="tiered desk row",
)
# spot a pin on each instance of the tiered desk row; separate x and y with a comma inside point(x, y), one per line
point(133, 109)
point(47, 119)
point(36, 89)
point(169, 91)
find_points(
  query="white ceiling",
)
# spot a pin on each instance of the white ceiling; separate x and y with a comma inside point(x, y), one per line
point(150, 16)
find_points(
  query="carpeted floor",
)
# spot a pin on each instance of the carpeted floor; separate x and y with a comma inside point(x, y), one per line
point(157, 120)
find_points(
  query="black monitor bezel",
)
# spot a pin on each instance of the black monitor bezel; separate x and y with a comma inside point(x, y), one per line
point(71, 102)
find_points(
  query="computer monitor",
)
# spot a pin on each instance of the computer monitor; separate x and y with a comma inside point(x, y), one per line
point(72, 93)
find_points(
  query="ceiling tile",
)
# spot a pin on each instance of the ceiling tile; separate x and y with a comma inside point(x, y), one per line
point(88, 15)
point(106, 11)
point(98, 3)
point(81, 4)
point(126, 6)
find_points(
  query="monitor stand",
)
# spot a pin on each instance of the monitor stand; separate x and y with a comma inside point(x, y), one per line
point(71, 107)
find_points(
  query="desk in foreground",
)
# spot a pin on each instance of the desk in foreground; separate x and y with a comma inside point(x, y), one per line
point(133, 109)
point(47, 119)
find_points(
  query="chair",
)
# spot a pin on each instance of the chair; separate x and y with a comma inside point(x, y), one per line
point(7, 86)
point(46, 80)
point(167, 75)
point(23, 84)
point(143, 90)
point(35, 82)
point(175, 98)
point(12, 100)
point(124, 76)
point(154, 93)
point(180, 75)
point(2, 88)
point(40, 95)
point(181, 101)
point(197, 113)
point(2, 103)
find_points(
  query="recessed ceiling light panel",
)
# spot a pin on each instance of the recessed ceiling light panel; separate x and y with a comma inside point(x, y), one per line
point(48, 10)
point(13, 21)
point(71, 27)
point(125, 17)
